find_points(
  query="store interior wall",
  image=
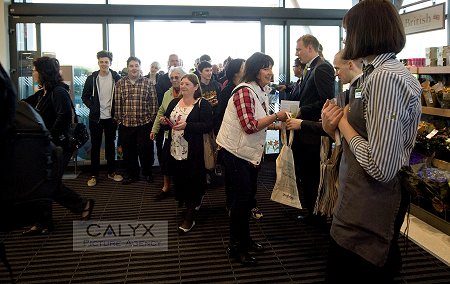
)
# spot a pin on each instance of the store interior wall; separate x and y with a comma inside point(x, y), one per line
point(4, 36)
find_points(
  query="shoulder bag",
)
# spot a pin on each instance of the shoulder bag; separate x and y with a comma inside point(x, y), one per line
point(77, 133)
point(329, 175)
point(209, 148)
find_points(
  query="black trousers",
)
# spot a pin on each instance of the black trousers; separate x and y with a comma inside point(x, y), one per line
point(66, 196)
point(189, 188)
point(243, 178)
point(307, 171)
point(109, 127)
point(137, 149)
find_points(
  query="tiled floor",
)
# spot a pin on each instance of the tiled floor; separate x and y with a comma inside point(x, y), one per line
point(295, 252)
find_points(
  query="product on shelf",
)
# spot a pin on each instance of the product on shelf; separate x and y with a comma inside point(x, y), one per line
point(429, 94)
point(443, 97)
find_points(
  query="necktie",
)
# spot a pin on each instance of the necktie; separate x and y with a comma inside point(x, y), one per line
point(305, 71)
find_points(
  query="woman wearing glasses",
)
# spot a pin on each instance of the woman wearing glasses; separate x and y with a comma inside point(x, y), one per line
point(175, 74)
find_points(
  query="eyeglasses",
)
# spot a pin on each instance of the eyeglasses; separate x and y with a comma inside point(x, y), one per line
point(175, 78)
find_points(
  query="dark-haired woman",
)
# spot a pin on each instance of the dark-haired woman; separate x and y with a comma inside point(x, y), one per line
point(233, 73)
point(188, 117)
point(242, 136)
point(380, 126)
point(54, 104)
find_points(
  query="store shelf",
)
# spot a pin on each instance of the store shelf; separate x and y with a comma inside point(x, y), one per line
point(430, 70)
point(436, 111)
point(412, 69)
point(430, 219)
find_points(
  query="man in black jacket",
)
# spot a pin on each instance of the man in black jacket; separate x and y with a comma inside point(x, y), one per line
point(163, 84)
point(98, 96)
point(316, 87)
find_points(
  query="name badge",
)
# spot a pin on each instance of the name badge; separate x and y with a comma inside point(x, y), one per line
point(358, 93)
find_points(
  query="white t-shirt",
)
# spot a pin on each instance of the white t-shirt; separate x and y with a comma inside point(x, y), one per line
point(104, 86)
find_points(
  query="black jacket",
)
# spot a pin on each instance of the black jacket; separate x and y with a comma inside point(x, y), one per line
point(163, 83)
point(90, 95)
point(317, 86)
point(56, 110)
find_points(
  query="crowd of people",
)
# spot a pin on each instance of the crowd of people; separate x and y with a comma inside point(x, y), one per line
point(377, 118)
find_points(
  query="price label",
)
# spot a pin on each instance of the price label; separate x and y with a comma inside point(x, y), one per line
point(432, 133)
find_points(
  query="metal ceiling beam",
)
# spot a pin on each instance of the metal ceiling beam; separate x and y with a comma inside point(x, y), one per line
point(172, 12)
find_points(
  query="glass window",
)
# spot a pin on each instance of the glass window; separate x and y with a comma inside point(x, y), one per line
point(75, 45)
point(156, 40)
point(247, 3)
point(322, 4)
point(119, 45)
point(328, 36)
point(419, 6)
point(274, 48)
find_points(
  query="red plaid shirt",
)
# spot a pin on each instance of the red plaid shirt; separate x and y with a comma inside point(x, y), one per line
point(245, 106)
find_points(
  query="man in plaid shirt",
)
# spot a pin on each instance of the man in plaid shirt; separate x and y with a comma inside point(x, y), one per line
point(136, 105)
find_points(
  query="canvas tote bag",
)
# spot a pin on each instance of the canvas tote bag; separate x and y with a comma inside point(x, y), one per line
point(285, 189)
point(329, 175)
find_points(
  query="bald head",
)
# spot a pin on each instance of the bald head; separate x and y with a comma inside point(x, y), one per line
point(346, 70)
point(173, 61)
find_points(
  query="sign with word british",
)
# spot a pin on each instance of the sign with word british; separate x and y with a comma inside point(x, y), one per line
point(424, 20)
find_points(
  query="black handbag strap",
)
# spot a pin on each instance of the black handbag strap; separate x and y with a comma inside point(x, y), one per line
point(74, 113)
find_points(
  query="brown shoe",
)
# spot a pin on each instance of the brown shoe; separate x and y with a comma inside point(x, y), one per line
point(87, 212)
point(162, 195)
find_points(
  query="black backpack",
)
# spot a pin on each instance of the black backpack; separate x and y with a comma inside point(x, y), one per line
point(34, 173)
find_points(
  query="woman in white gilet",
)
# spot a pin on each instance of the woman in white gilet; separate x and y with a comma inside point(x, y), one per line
point(242, 136)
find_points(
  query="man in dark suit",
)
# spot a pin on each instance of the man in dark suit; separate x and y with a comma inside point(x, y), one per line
point(316, 87)
point(292, 90)
point(163, 84)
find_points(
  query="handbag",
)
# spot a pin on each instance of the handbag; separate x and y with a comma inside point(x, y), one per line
point(209, 148)
point(329, 175)
point(285, 188)
point(77, 135)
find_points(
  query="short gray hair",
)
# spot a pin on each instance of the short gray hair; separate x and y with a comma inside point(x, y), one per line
point(156, 64)
point(178, 70)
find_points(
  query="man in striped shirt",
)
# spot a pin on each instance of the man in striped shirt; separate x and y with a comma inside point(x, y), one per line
point(135, 110)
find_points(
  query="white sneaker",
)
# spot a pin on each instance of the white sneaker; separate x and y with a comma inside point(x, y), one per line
point(218, 170)
point(115, 177)
point(208, 179)
point(256, 213)
point(92, 181)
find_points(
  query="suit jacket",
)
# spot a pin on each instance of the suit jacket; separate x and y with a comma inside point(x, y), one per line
point(316, 87)
point(342, 99)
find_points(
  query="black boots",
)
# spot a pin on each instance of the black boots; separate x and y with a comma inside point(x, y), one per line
point(240, 254)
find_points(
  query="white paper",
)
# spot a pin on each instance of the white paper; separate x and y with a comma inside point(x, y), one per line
point(290, 106)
